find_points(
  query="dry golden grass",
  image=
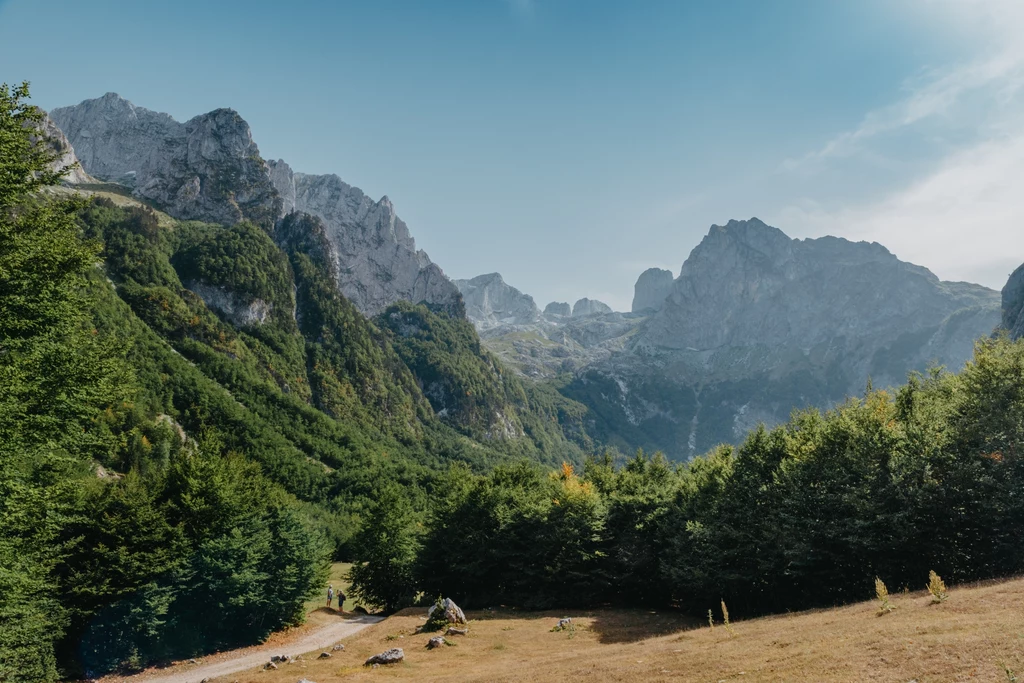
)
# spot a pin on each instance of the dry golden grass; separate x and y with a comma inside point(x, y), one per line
point(970, 637)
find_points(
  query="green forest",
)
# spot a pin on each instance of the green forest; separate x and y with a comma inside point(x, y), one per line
point(175, 477)
point(808, 514)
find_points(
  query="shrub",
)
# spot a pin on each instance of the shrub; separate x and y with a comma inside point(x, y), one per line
point(882, 593)
point(937, 587)
point(725, 618)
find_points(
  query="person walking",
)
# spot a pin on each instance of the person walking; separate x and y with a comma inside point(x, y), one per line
point(330, 594)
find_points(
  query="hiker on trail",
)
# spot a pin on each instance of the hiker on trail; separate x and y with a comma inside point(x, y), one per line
point(330, 594)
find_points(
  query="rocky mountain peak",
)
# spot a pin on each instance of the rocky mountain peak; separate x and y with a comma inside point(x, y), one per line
point(1013, 304)
point(491, 302)
point(209, 168)
point(66, 161)
point(378, 263)
point(651, 288)
point(586, 306)
point(747, 282)
point(557, 309)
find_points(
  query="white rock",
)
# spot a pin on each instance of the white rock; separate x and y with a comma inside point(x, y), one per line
point(491, 302)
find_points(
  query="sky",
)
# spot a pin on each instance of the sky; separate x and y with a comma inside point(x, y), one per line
point(572, 144)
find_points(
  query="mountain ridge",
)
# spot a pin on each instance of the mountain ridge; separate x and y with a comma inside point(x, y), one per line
point(209, 168)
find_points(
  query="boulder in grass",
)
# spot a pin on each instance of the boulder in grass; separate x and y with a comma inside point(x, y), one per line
point(563, 625)
point(324, 655)
point(436, 642)
point(452, 631)
point(392, 656)
point(453, 614)
point(338, 647)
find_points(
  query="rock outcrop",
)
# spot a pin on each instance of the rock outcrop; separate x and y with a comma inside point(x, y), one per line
point(758, 324)
point(66, 161)
point(651, 289)
point(453, 614)
point(208, 168)
point(491, 302)
point(378, 262)
point(557, 310)
point(1013, 304)
point(237, 310)
point(585, 307)
point(392, 656)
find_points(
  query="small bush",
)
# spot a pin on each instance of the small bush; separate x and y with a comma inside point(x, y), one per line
point(937, 588)
point(882, 593)
point(725, 618)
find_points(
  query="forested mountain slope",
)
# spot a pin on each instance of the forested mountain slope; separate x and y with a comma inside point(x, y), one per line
point(195, 417)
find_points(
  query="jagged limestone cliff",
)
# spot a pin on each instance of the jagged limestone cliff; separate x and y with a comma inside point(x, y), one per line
point(758, 324)
point(210, 169)
point(491, 302)
point(651, 289)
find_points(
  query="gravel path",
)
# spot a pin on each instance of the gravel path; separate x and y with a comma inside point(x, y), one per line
point(250, 658)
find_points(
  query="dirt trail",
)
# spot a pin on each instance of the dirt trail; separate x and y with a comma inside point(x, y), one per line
point(249, 658)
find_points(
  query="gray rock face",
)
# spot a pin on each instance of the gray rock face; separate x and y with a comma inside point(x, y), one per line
point(557, 309)
point(237, 311)
point(392, 656)
point(491, 302)
point(748, 284)
point(651, 289)
point(585, 307)
point(1013, 304)
point(67, 159)
point(208, 168)
point(758, 324)
point(378, 263)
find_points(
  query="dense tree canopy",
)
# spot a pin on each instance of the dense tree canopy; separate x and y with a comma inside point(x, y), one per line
point(892, 485)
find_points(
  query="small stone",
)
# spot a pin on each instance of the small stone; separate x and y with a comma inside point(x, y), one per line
point(376, 666)
point(562, 624)
point(324, 655)
point(392, 656)
point(436, 642)
point(270, 666)
point(338, 647)
point(452, 631)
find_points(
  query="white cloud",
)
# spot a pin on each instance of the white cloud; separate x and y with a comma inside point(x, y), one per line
point(962, 218)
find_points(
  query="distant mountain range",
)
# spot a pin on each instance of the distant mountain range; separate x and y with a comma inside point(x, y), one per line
point(755, 325)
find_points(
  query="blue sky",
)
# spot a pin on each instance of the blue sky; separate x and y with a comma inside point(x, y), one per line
point(571, 144)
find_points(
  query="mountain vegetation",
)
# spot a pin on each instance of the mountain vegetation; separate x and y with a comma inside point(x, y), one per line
point(893, 485)
point(194, 421)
